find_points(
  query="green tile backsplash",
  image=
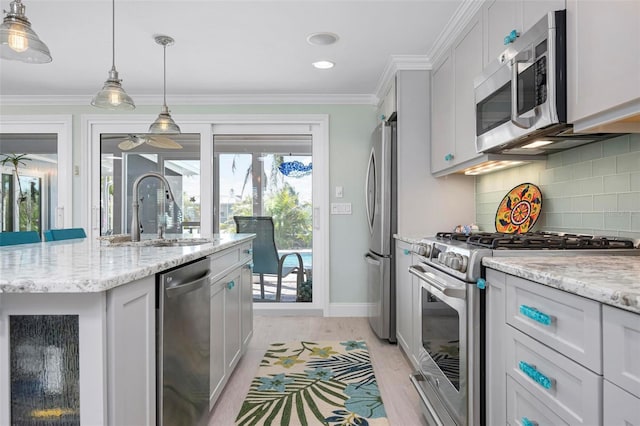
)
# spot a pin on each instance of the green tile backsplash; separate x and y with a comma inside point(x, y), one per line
point(592, 189)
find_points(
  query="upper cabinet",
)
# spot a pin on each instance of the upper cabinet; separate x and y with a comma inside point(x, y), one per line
point(501, 17)
point(453, 104)
point(603, 65)
point(453, 129)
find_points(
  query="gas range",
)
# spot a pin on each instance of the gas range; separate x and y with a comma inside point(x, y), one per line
point(460, 255)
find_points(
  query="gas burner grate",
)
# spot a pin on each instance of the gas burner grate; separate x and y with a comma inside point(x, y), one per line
point(453, 236)
point(547, 241)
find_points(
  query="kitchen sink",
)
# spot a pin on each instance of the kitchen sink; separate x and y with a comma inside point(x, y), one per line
point(125, 241)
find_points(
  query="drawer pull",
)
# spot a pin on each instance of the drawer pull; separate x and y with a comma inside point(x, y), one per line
point(249, 251)
point(535, 375)
point(526, 422)
point(406, 252)
point(535, 314)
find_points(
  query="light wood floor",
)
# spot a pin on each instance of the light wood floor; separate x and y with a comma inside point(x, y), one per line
point(390, 366)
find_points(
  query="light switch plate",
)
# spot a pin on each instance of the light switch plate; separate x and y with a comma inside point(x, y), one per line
point(340, 208)
point(339, 192)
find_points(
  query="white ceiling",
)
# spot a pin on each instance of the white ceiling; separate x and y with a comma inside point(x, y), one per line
point(225, 48)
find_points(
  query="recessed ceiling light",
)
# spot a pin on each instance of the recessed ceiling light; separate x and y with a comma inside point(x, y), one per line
point(322, 39)
point(323, 65)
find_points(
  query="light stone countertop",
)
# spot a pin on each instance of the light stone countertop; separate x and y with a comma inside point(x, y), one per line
point(612, 280)
point(408, 239)
point(85, 266)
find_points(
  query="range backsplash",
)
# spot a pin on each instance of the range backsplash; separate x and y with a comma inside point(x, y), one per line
point(592, 189)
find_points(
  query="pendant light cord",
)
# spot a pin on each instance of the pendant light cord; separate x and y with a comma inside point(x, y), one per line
point(164, 74)
point(113, 34)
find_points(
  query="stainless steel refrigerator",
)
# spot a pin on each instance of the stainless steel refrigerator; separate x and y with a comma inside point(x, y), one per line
point(381, 202)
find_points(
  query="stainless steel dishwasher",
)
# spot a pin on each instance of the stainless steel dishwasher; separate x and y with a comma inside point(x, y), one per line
point(183, 345)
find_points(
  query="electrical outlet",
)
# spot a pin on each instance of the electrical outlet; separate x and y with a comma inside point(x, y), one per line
point(340, 208)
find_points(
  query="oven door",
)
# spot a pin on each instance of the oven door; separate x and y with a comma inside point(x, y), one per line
point(443, 379)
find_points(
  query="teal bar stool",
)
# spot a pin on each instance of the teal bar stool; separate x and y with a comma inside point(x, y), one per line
point(24, 237)
point(64, 234)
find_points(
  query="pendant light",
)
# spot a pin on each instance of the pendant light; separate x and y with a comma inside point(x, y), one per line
point(164, 124)
point(18, 41)
point(112, 95)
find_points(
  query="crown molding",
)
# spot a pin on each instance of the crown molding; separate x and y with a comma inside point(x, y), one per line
point(272, 99)
point(454, 28)
point(399, 63)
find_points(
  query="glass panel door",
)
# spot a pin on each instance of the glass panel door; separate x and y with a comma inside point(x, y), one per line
point(124, 158)
point(269, 175)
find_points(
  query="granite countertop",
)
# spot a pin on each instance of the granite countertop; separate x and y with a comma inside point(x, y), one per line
point(408, 239)
point(87, 266)
point(612, 280)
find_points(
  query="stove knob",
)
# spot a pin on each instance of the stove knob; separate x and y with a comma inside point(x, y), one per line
point(442, 257)
point(465, 263)
point(418, 249)
point(427, 250)
point(456, 263)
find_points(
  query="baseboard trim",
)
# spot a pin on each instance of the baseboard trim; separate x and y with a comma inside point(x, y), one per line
point(348, 309)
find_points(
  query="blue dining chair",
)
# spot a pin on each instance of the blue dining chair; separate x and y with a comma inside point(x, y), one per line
point(64, 234)
point(22, 237)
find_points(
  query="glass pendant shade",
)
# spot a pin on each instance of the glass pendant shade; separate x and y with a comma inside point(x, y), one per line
point(112, 95)
point(164, 124)
point(18, 41)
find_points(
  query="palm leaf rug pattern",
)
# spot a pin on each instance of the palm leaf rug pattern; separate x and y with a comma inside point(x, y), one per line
point(314, 383)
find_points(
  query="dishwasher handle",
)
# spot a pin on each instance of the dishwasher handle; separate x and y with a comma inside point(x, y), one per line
point(189, 286)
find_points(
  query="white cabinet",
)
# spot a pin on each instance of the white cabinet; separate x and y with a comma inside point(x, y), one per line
point(503, 16)
point(232, 327)
point(603, 65)
point(404, 298)
point(453, 104)
point(217, 366)
point(619, 406)
point(131, 356)
point(231, 314)
point(467, 57)
point(442, 120)
point(553, 357)
point(246, 304)
point(621, 344)
point(495, 353)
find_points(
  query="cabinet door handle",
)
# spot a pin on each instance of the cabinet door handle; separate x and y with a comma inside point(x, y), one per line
point(406, 252)
point(249, 251)
point(511, 37)
point(250, 266)
point(535, 315)
point(448, 157)
point(526, 422)
point(231, 284)
point(535, 375)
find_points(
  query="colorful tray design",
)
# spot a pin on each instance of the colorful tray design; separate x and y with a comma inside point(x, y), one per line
point(519, 209)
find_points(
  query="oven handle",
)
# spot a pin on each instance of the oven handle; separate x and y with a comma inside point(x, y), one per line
point(432, 280)
point(517, 119)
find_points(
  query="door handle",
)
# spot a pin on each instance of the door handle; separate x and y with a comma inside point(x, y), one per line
point(516, 118)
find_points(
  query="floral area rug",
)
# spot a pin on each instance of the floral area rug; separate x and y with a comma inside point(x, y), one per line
point(314, 383)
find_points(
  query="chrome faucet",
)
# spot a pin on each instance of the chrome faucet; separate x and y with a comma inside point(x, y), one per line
point(135, 205)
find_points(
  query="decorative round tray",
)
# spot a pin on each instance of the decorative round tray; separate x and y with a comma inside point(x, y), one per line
point(519, 209)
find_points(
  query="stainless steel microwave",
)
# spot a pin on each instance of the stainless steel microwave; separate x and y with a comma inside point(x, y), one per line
point(521, 96)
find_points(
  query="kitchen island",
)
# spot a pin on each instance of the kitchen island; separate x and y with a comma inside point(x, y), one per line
point(562, 340)
point(78, 326)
